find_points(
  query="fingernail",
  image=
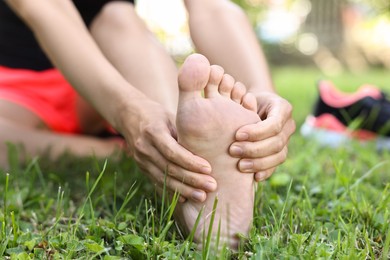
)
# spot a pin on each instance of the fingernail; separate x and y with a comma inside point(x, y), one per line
point(205, 170)
point(210, 186)
point(246, 166)
point(235, 150)
point(242, 136)
point(198, 196)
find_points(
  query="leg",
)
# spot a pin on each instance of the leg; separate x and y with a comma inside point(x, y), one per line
point(131, 48)
point(221, 31)
point(226, 107)
point(22, 127)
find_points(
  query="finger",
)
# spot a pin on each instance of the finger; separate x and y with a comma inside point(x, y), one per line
point(185, 190)
point(173, 185)
point(263, 175)
point(261, 164)
point(263, 143)
point(259, 149)
point(180, 156)
point(260, 130)
point(153, 162)
point(273, 124)
point(195, 180)
point(273, 105)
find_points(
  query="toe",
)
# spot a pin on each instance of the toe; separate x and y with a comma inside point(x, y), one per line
point(249, 102)
point(216, 76)
point(226, 86)
point(238, 92)
point(194, 74)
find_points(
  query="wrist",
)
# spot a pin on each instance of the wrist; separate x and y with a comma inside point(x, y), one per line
point(119, 102)
point(128, 112)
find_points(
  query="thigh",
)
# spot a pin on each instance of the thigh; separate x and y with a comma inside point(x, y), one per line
point(20, 115)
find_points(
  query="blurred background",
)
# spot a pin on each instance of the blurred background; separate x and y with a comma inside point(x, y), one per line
point(334, 35)
point(346, 41)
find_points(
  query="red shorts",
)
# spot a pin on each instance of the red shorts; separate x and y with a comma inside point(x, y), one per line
point(45, 93)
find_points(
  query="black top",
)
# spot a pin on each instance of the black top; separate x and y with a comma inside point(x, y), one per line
point(18, 47)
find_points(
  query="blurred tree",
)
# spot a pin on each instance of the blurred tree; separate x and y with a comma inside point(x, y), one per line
point(381, 6)
point(330, 35)
point(253, 8)
point(325, 21)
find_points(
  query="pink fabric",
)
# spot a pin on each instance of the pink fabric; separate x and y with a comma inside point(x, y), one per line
point(336, 98)
point(46, 93)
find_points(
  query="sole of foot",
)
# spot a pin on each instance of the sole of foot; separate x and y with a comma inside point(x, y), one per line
point(212, 107)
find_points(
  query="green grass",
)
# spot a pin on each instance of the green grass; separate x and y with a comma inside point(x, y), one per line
point(320, 204)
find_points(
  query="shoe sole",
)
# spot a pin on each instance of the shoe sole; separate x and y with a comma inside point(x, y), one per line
point(336, 139)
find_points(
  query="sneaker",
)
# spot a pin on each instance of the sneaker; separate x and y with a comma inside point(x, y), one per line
point(339, 117)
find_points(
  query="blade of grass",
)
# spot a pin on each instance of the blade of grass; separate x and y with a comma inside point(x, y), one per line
point(163, 199)
point(15, 228)
point(172, 205)
point(5, 210)
point(59, 208)
point(386, 246)
point(4, 245)
point(89, 199)
point(115, 192)
point(190, 237)
point(206, 249)
point(218, 237)
point(284, 205)
point(94, 185)
point(363, 177)
point(128, 197)
point(34, 163)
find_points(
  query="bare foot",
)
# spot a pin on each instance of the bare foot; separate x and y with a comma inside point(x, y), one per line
point(206, 126)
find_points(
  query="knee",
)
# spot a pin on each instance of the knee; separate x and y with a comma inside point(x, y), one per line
point(116, 14)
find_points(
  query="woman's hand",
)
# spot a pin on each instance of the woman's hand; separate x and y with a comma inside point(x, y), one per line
point(263, 146)
point(151, 135)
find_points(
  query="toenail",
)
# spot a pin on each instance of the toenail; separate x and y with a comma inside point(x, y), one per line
point(246, 165)
point(210, 186)
point(198, 195)
point(236, 150)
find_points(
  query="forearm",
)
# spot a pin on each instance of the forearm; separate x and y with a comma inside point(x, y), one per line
point(221, 31)
point(67, 42)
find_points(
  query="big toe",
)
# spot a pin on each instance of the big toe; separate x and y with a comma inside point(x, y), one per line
point(194, 74)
